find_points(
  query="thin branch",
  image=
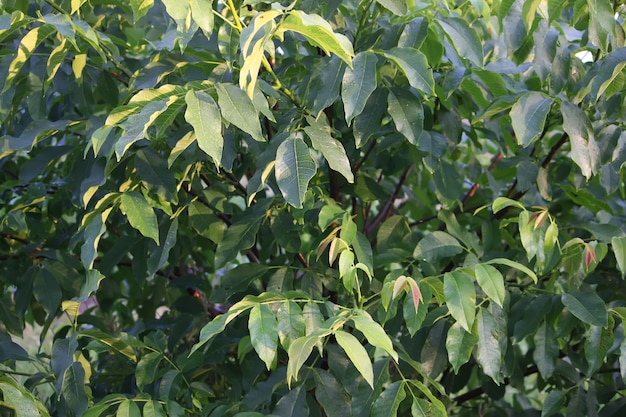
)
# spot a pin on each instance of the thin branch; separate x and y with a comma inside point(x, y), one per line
point(9, 236)
point(472, 191)
point(367, 153)
point(384, 213)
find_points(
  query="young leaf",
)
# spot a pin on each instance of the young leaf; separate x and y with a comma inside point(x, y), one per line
point(374, 332)
point(140, 214)
point(203, 114)
point(414, 65)
point(491, 282)
point(332, 150)
point(294, 169)
point(586, 306)
point(238, 109)
point(357, 355)
point(528, 116)
point(264, 333)
point(358, 83)
point(407, 114)
point(460, 298)
point(459, 345)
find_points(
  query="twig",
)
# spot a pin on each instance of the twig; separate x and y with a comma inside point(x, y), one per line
point(384, 213)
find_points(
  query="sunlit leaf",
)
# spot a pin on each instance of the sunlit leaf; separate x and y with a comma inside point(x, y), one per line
point(460, 298)
point(294, 169)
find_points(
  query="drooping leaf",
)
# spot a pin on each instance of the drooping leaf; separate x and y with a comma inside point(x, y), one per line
point(586, 306)
point(389, 401)
point(332, 150)
point(585, 151)
point(491, 282)
point(73, 388)
point(374, 333)
point(300, 350)
point(358, 83)
point(140, 214)
point(414, 65)
point(264, 333)
point(618, 244)
point(407, 113)
point(204, 115)
point(20, 400)
point(294, 169)
point(459, 344)
point(460, 298)
point(116, 343)
point(489, 352)
point(357, 355)
point(237, 108)
point(529, 115)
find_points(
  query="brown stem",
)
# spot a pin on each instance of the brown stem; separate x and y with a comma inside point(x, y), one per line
point(384, 213)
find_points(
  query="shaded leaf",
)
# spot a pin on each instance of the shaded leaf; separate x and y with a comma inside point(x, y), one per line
point(491, 282)
point(546, 350)
point(331, 395)
point(332, 150)
point(437, 245)
point(388, 402)
point(586, 306)
point(407, 113)
point(488, 352)
point(358, 83)
point(415, 67)
point(585, 151)
point(464, 39)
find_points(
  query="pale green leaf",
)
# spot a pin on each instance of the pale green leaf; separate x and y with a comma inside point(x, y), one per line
point(513, 264)
point(300, 350)
point(318, 32)
point(358, 83)
point(357, 355)
point(21, 400)
point(291, 324)
point(238, 109)
point(618, 244)
point(601, 22)
point(26, 48)
point(264, 333)
point(459, 344)
point(407, 114)
point(204, 115)
point(415, 67)
point(529, 10)
point(586, 306)
point(332, 150)
point(528, 116)
point(140, 214)
point(464, 39)
point(294, 169)
point(374, 332)
point(128, 408)
point(153, 409)
point(609, 68)
point(584, 149)
point(202, 14)
point(397, 7)
point(113, 342)
point(491, 282)
point(437, 245)
point(136, 125)
point(460, 298)
point(489, 352)
point(140, 8)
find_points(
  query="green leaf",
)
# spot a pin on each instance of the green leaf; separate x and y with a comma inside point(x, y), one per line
point(294, 169)
point(140, 214)
point(319, 33)
point(291, 324)
point(585, 151)
point(460, 298)
point(437, 245)
point(147, 368)
point(513, 264)
point(528, 115)
point(26, 48)
point(414, 65)
point(73, 390)
point(292, 405)
point(155, 176)
point(128, 408)
point(20, 401)
point(397, 7)
point(159, 257)
point(136, 125)
point(331, 395)
point(437, 409)
point(204, 115)
point(300, 350)
point(374, 332)
point(554, 402)
point(115, 343)
point(332, 150)
point(358, 83)
point(609, 69)
point(489, 352)
point(601, 22)
point(264, 333)
point(140, 8)
point(459, 345)
point(238, 109)
point(329, 84)
point(205, 223)
point(47, 291)
point(491, 282)
point(388, 402)
point(9, 350)
point(202, 14)
point(407, 114)
point(618, 244)
point(597, 344)
point(529, 10)
point(586, 306)
point(357, 355)
point(153, 409)
point(464, 39)
point(546, 350)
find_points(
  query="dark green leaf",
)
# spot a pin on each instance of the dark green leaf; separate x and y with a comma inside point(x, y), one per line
point(358, 83)
point(546, 350)
point(407, 113)
point(389, 401)
point(529, 115)
point(586, 306)
point(73, 389)
point(331, 395)
point(488, 352)
point(291, 323)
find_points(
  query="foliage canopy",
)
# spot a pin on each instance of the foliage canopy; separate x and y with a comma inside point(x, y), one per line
point(246, 208)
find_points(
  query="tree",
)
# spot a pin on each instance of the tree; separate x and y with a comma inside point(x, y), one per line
point(323, 208)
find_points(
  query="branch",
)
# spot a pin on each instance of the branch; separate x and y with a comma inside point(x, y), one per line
point(367, 153)
point(384, 213)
